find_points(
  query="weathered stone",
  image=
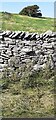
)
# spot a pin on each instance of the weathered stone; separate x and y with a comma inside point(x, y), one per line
point(25, 48)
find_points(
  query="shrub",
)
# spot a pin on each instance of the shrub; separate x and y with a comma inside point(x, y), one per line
point(32, 11)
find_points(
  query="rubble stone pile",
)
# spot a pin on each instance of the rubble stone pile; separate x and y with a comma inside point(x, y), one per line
point(24, 47)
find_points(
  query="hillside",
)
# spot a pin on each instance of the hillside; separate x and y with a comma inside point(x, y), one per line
point(25, 23)
point(25, 90)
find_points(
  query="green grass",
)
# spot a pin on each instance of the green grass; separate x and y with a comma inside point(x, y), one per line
point(25, 23)
point(18, 101)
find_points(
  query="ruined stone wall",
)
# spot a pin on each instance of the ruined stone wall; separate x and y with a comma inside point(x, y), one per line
point(23, 48)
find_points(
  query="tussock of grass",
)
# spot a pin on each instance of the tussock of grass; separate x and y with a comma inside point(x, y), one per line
point(26, 98)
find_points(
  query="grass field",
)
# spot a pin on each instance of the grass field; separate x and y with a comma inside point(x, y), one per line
point(25, 23)
point(18, 99)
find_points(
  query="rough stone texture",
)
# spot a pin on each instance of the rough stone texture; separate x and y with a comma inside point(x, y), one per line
point(24, 47)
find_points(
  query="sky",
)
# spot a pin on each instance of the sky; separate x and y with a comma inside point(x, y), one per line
point(47, 8)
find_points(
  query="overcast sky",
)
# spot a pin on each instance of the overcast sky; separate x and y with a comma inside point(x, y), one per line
point(47, 8)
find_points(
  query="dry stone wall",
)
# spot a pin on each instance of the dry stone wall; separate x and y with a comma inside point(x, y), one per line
point(23, 48)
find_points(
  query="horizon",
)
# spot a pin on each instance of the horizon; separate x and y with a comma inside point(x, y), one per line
point(47, 8)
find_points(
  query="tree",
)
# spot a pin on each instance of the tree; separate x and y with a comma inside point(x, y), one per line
point(32, 11)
